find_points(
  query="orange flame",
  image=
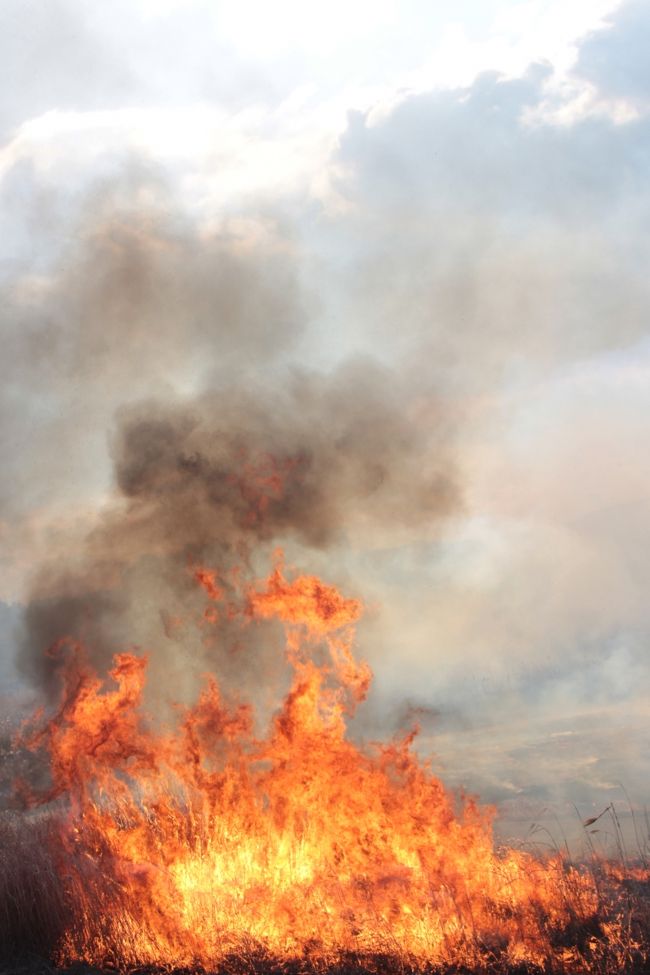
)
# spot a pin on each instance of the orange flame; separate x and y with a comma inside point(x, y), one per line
point(183, 847)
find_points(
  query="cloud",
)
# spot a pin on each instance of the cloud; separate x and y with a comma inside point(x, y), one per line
point(82, 58)
point(35, 45)
point(520, 244)
point(615, 59)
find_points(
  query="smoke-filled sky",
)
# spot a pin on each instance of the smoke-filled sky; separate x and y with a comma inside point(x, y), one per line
point(400, 248)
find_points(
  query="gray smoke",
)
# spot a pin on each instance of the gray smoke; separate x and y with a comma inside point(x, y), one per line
point(261, 452)
point(488, 246)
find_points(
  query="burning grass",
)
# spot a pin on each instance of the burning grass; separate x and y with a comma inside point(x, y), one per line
point(38, 905)
point(203, 847)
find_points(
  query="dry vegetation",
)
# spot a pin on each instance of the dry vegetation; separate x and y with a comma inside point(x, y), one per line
point(35, 911)
point(302, 852)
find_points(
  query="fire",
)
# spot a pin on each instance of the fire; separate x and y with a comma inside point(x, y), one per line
point(186, 846)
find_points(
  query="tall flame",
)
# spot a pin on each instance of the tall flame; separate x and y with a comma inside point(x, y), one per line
point(183, 847)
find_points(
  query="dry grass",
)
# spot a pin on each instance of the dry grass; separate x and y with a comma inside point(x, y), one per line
point(35, 911)
point(33, 908)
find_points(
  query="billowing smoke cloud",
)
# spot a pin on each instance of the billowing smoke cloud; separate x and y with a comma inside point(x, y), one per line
point(183, 343)
point(139, 301)
point(212, 479)
point(480, 292)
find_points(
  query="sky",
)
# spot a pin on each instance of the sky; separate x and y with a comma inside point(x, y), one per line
point(408, 240)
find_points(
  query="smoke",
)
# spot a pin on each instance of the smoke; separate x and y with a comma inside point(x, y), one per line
point(428, 383)
point(140, 300)
point(261, 451)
